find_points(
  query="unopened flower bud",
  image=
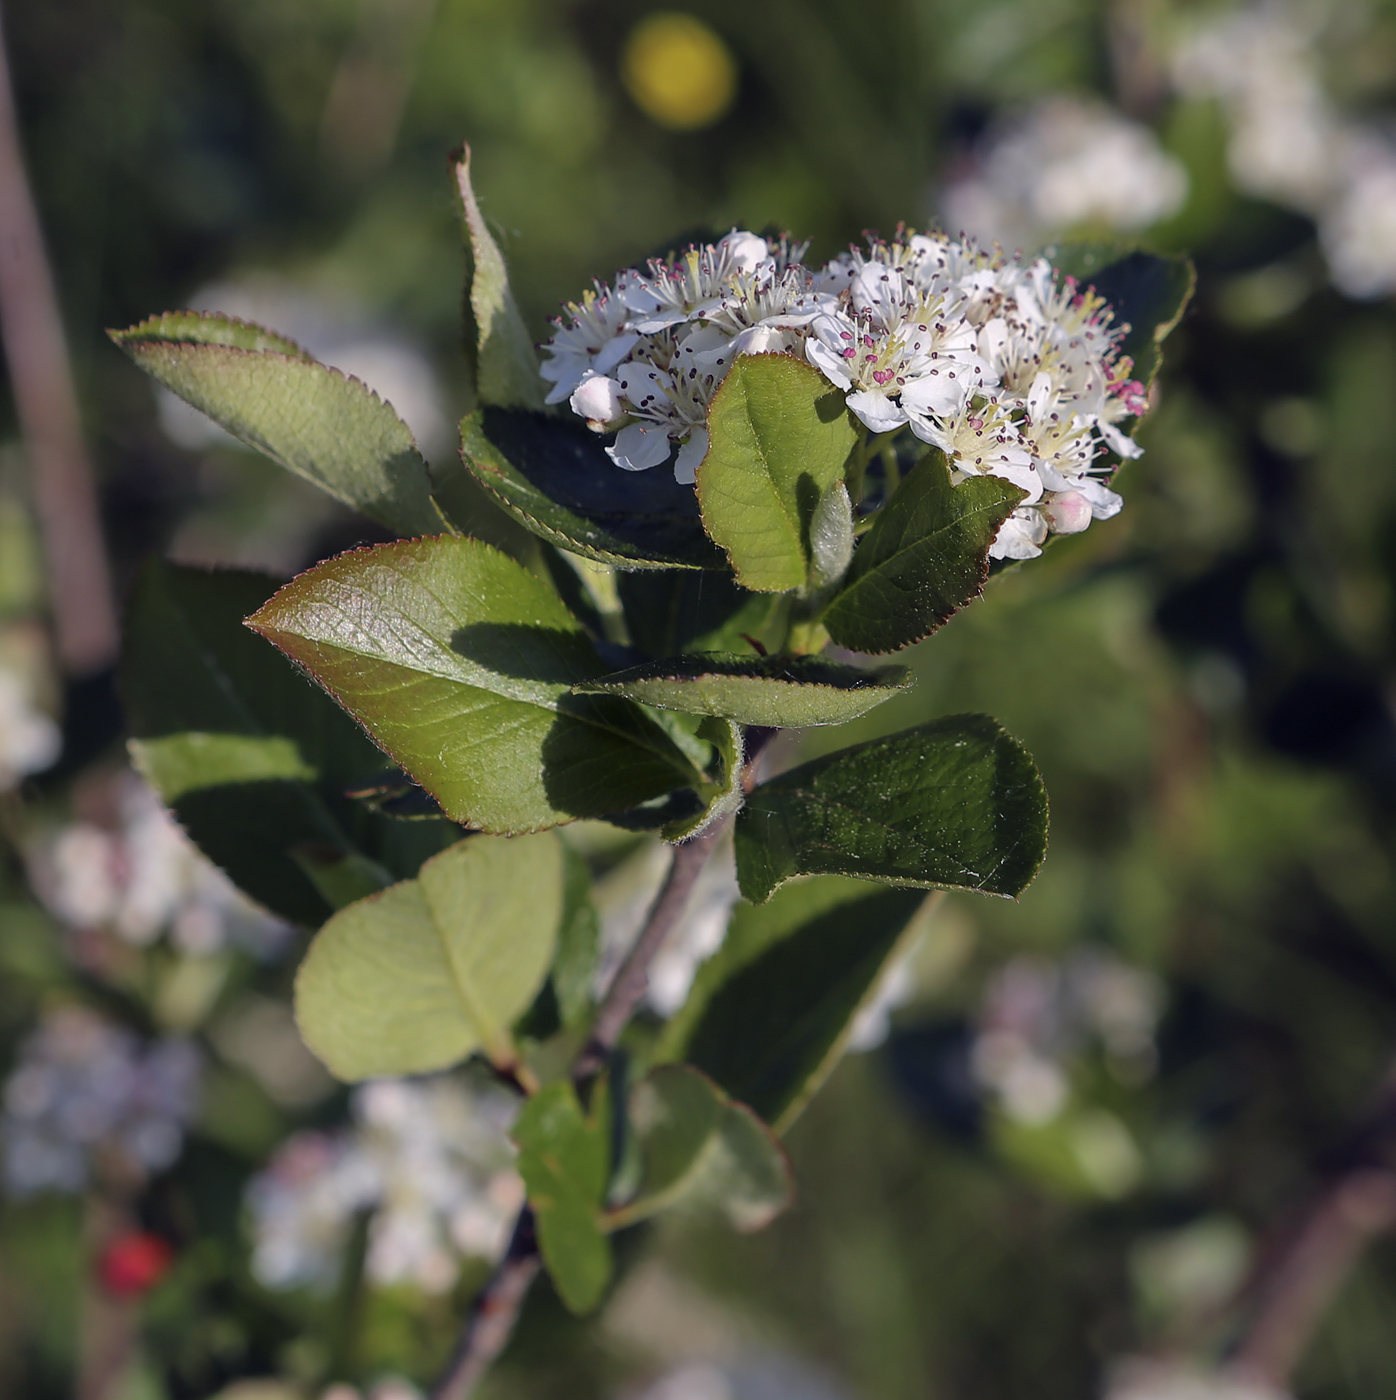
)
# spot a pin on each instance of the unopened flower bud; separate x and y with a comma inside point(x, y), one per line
point(1068, 513)
point(598, 399)
point(747, 250)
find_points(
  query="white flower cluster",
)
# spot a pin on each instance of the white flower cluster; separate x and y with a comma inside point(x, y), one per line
point(88, 1099)
point(429, 1158)
point(1062, 164)
point(1290, 143)
point(1009, 370)
point(145, 876)
point(29, 739)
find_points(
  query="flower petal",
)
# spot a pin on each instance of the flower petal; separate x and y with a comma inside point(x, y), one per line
point(877, 410)
point(640, 446)
point(690, 457)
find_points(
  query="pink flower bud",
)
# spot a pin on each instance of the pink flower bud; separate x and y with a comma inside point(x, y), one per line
point(1068, 512)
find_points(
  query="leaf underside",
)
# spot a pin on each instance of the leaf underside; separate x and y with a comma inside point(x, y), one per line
point(420, 976)
point(311, 419)
point(254, 760)
point(565, 1162)
point(780, 692)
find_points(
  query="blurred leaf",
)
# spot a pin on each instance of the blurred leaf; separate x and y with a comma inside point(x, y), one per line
point(771, 1010)
point(688, 610)
point(309, 418)
point(420, 976)
point(459, 662)
point(954, 804)
point(779, 439)
point(341, 877)
point(702, 1154)
point(578, 943)
point(505, 364)
point(253, 759)
point(780, 691)
point(721, 797)
point(565, 1162)
point(553, 476)
point(924, 558)
point(1147, 292)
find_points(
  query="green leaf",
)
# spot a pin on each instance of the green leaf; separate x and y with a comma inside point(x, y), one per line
point(702, 1154)
point(565, 1162)
point(553, 476)
point(420, 976)
point(458, 661)
point(771, 1011)
point(213, 328)
point(779, 440)
point(254, 760)
point(721, 797)
point(924, 558)
point(954, 804)
point(788, 692)
point(506, 366)
point(307, 417)
point(1149, 293)
point(685, 610)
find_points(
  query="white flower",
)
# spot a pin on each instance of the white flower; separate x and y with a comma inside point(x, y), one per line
point(640, 446)
point(1358, 230)
point(597, 339)
point(1021, 536)
point(1009, 369)
point(1065, 163)
point(87, 1092)
point(432, 1161)
point(145, 878)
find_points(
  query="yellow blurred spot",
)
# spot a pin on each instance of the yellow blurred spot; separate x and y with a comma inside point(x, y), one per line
point(679, 71)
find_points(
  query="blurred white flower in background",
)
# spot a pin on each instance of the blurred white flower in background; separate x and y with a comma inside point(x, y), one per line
point(392, 364)
point(145, 877)
point(752, 1376)
point(1286, 142)
point(88, 1098)
point(429, 1158)
point(1144, 1379)
point(1065, 163)
point(29, 739)
point(1358, 233)
point(1037, 1015)
point(1289, 141)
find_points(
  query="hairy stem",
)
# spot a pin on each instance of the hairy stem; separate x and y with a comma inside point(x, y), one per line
point(632, 977)
point(491, 1322)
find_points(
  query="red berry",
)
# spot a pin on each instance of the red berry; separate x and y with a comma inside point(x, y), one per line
point(134, 1263)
